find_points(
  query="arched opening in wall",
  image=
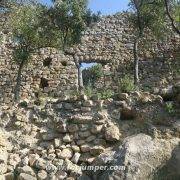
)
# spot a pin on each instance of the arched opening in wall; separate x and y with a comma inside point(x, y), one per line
point(47, 62)
point(44, 83)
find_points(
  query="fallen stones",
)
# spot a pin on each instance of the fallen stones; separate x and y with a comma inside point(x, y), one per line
point(57, 142)
point(85, 148)
point(7, 176)
point(84, 134)
point(42, 175)
point(66, 153)
point(73, 168)
point(26, 170)
point(67, 138)
point(112, 133)
point(40, 164)
point(96, 150)
point(73, 128)
point(96, 129)
point(81, 119)
point(76, 157)
point(24, 176)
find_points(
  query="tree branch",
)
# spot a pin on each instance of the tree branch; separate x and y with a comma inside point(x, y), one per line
point(170, 17)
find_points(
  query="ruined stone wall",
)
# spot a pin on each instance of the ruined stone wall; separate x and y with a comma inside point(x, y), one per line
point(48, 72)
point(110, 41)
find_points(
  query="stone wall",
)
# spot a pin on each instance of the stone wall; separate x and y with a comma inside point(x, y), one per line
point(48, 72)
point(110, 41)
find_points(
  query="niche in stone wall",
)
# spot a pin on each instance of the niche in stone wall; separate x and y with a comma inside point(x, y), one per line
point(64, 63)
point(47, 62)
point(44, 83)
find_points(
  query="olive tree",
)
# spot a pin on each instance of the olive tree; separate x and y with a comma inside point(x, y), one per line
point(28, 35)
point(146, 15)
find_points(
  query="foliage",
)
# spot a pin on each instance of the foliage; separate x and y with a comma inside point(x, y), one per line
point(70, 17)
point(99, 94)
point(148, 15)
point(92, 75)
point(88, 90)
point(169, 107)
point(126, 84)
point(105, 94)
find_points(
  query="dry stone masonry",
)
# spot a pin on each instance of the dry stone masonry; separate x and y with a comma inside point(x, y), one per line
point(110, 41)
point(55, 139)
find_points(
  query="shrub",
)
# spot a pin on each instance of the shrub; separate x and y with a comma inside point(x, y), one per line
point(105, 94)
point(100, 94)
point(88, 91)
point(126, 84)
point(92, 75)
point(169, 107)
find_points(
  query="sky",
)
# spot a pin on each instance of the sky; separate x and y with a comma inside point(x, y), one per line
point(106, 7)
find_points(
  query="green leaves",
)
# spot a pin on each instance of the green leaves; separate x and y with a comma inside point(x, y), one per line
point(92, 74)
point(152, 15)
point(21, 55)
point(71, 17)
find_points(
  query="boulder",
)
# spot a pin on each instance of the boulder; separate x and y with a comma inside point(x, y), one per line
point(167, 93)
point(137, 158)
point(171, 168)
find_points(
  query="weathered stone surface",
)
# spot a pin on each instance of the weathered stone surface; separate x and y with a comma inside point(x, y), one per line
point(96, 129)
point(40, 164)
point(66, 153)
point(72, 167)
point(8, 176)
point(73, 128)
point(76, 157)
point(85, 148)
point(41, 175)
point(84, 134)
point(112, 133)
point(96, 150)
point(24, 176)
point(141, 156)
point(67, 138)
point(26, 170)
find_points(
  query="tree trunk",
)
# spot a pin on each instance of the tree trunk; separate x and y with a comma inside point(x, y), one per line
point(80, 80)
point(136, 62)
point(18, 83)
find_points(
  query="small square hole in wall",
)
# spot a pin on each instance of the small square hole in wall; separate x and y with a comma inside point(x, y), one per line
point(47, 62)
point(44, 83)
point(64, 63)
